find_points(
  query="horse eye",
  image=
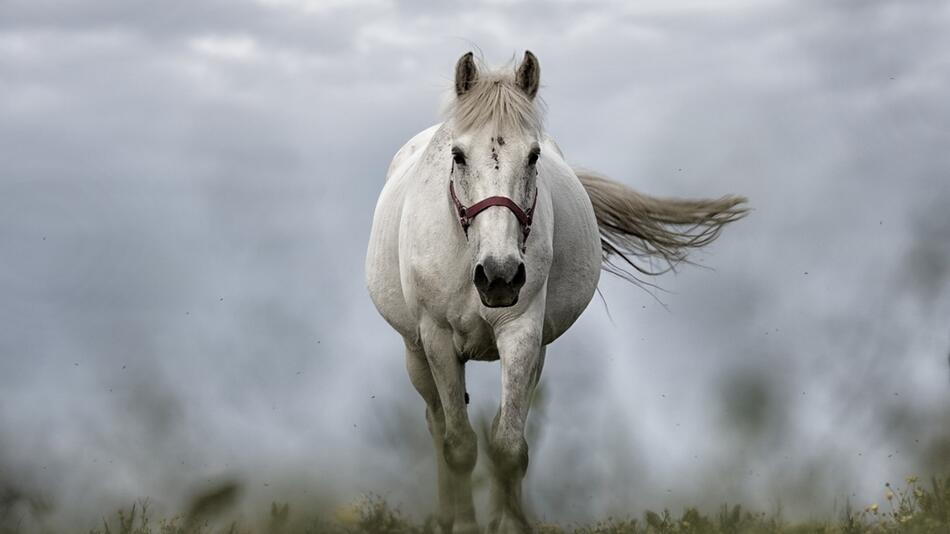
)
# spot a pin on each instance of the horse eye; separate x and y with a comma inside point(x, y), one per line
point(533, 157)
point(458, 156)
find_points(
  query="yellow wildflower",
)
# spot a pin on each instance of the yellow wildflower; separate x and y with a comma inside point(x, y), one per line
point(348, 514)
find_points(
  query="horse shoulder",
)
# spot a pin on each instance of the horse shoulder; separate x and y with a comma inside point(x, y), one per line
point(413, 147)
point(382, 256)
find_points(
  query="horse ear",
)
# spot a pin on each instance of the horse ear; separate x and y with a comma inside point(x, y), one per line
point(528, 75)
point(466, 74)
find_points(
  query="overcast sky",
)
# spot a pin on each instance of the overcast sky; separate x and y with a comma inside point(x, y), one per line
point(186, 191)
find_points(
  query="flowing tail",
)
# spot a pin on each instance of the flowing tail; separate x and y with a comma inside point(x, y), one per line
point(637, 229)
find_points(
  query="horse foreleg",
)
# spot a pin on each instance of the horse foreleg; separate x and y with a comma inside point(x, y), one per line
point(522, 358)
point(459, 443)
point(421, 377)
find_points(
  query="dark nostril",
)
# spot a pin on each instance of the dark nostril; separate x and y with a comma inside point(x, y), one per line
point(480, 278)
point(519, 278)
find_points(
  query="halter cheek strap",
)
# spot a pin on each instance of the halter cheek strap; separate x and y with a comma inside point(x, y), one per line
point(467, 214)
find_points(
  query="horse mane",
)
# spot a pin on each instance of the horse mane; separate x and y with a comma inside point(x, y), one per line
point(637, 228)
point(496, 99)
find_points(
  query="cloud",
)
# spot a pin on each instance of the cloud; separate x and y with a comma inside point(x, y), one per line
point(186, 191)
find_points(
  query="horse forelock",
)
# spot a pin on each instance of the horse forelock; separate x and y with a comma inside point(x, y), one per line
point(496, 100)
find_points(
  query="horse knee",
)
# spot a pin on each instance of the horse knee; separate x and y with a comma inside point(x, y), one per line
point(509, 454)
point(435, 420)
point(461, 450)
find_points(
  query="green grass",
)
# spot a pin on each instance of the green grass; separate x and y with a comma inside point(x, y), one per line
point(914, 508)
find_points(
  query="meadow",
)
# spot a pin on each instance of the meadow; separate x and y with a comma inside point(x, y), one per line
point(917, 506)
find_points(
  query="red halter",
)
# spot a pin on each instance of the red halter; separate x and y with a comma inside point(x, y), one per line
point(467, 214)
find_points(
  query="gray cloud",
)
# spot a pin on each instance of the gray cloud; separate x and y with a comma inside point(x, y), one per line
point(186, 191)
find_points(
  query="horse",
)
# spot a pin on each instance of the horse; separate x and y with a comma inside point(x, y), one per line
point(486, 245)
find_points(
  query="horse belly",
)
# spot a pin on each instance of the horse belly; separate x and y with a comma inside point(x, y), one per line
point(382, 281)
point(575, 270)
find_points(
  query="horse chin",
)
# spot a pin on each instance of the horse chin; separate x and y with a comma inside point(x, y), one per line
point(498, 299)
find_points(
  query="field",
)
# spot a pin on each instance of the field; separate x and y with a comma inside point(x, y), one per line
point(915, 507)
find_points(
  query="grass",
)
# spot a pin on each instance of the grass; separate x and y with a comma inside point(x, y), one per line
point(915, 508)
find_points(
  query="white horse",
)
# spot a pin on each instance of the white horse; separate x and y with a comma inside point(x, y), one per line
point(486, 245)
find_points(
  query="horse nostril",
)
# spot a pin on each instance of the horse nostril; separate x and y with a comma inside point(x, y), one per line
point(480, 278)
point(519, 278)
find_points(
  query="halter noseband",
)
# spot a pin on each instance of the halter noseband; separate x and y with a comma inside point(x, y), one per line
point(467, 214)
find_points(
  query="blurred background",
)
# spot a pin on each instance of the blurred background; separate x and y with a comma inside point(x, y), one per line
point(186, 191)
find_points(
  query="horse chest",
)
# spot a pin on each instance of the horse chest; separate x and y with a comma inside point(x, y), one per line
point(474, 339)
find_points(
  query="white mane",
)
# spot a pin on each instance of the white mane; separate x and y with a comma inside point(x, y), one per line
point(495, 99)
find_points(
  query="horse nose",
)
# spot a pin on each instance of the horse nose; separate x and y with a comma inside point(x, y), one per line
point(491, 271)
point(499, 281)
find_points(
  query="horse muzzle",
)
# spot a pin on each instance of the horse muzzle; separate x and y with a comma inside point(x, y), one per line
point(499, 282)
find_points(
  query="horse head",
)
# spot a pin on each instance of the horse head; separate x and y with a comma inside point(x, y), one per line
point(495, 146)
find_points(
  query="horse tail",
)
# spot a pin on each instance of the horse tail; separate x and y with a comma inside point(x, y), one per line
point(638, 230)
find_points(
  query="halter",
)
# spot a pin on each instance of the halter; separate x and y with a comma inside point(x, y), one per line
point(467, 214)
